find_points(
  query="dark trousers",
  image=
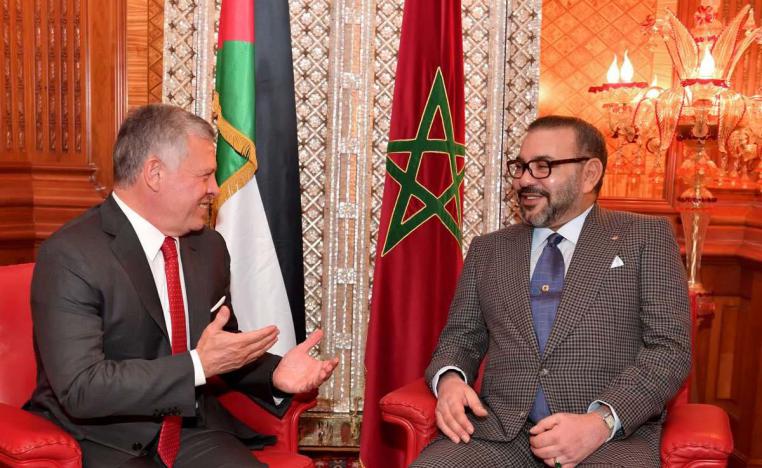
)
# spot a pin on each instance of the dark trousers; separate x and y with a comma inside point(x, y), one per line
point(197, 449)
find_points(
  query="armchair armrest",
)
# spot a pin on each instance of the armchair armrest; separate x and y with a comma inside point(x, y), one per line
point(28, 439)
point(696, 432)
point(285, 429)
point(412, 408)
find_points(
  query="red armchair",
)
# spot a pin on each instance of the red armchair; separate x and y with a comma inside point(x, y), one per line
point(694, 435)
point(29, 440)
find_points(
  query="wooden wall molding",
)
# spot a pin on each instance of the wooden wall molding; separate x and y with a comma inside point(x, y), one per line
point(35, 200)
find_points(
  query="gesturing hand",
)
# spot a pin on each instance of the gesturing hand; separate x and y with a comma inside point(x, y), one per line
point(222, 351)
point(567, 438)
point(454, 395)
point(299, 372)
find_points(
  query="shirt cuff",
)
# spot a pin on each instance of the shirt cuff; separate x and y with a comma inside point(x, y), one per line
point(617, 423)
point(435, 380)
point(198, 370)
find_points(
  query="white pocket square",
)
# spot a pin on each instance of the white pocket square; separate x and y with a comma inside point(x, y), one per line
point(617, 262)
point(218, 304)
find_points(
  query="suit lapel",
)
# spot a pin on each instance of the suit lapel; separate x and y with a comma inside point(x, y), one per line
point(130, 254)
point(198, 314)
point(514, 269)
point(596, 247)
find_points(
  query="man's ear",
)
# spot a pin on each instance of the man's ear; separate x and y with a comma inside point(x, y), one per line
point(591, 173)
point(152, 173)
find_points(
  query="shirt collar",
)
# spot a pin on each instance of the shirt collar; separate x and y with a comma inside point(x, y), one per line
point(149, 236)
point(570, 231)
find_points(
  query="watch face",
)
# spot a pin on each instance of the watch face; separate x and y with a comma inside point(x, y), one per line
point(606, 415)
point(609, 420)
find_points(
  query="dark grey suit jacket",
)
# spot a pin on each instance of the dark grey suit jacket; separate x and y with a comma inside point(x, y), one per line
point(106, 372)
point(621, 335)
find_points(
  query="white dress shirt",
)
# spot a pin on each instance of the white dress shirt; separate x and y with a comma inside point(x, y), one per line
point(151, 240)
point(570, 232)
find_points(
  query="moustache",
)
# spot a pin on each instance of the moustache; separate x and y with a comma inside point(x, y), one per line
point(533, 190)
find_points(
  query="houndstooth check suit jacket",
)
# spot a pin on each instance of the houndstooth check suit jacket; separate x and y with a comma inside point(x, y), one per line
point(621, 335)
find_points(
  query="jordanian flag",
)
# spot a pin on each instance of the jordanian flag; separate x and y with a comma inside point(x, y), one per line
point(258, 210)
point(419, 254)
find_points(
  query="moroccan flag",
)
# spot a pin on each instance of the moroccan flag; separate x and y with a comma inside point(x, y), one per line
point(419, 254)
point(258, 211)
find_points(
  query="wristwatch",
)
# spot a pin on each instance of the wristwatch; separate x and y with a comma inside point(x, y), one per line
point(605, 413)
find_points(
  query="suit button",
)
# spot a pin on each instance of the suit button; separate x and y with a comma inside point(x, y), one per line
point(137, 446)
point(544, 372)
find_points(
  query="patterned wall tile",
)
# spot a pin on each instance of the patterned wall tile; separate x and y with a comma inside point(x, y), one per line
point(310, 31)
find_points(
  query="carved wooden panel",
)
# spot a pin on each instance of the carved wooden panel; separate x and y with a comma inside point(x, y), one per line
point(46, 78)
point(42, 79)
point(61, 100)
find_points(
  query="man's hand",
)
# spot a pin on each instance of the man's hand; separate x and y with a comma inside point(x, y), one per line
point(299, 372)
point(454, 395)
point(221, 351)
point(567, 438)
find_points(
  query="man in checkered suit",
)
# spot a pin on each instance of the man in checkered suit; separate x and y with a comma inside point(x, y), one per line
point(615, 349)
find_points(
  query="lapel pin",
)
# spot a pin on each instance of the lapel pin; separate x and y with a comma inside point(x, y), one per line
point(615, 237)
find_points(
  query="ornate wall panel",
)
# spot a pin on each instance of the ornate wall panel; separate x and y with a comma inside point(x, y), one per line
point(56, 130)
point(43, 107)
point(310, 27)
point(519, 96)
point(189, 37)
point(145, 51)
point(344, 54)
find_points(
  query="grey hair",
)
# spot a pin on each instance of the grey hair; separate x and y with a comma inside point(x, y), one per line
point(159, 129)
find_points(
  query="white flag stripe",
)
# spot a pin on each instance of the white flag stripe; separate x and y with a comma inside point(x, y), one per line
point(256, 283)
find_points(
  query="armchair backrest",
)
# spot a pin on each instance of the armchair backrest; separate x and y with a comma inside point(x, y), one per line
point(18, 369)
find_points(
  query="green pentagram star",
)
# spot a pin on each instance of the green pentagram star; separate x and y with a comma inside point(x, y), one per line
point(434, 206)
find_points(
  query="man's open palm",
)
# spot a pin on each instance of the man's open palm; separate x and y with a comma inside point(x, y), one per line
point(299, 372)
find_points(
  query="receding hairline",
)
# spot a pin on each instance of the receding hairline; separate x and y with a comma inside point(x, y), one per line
point(159, 130)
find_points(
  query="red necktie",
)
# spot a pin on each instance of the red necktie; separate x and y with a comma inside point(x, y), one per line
point(169, 437)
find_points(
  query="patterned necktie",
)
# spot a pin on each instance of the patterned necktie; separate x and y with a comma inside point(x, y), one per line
point(545, 293)
point(169, 437)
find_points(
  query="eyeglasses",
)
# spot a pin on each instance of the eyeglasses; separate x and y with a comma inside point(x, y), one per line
point(538, 168)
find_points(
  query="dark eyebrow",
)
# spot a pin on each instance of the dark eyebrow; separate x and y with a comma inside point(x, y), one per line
point(539, 157)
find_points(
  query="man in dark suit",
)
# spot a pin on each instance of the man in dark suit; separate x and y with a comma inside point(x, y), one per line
point(581, 314)
point(130, 304)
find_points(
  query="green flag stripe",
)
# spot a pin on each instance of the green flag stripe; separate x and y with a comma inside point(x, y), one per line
point(235, 67)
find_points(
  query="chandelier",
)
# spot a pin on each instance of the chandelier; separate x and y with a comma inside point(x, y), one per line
point(701, 110)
